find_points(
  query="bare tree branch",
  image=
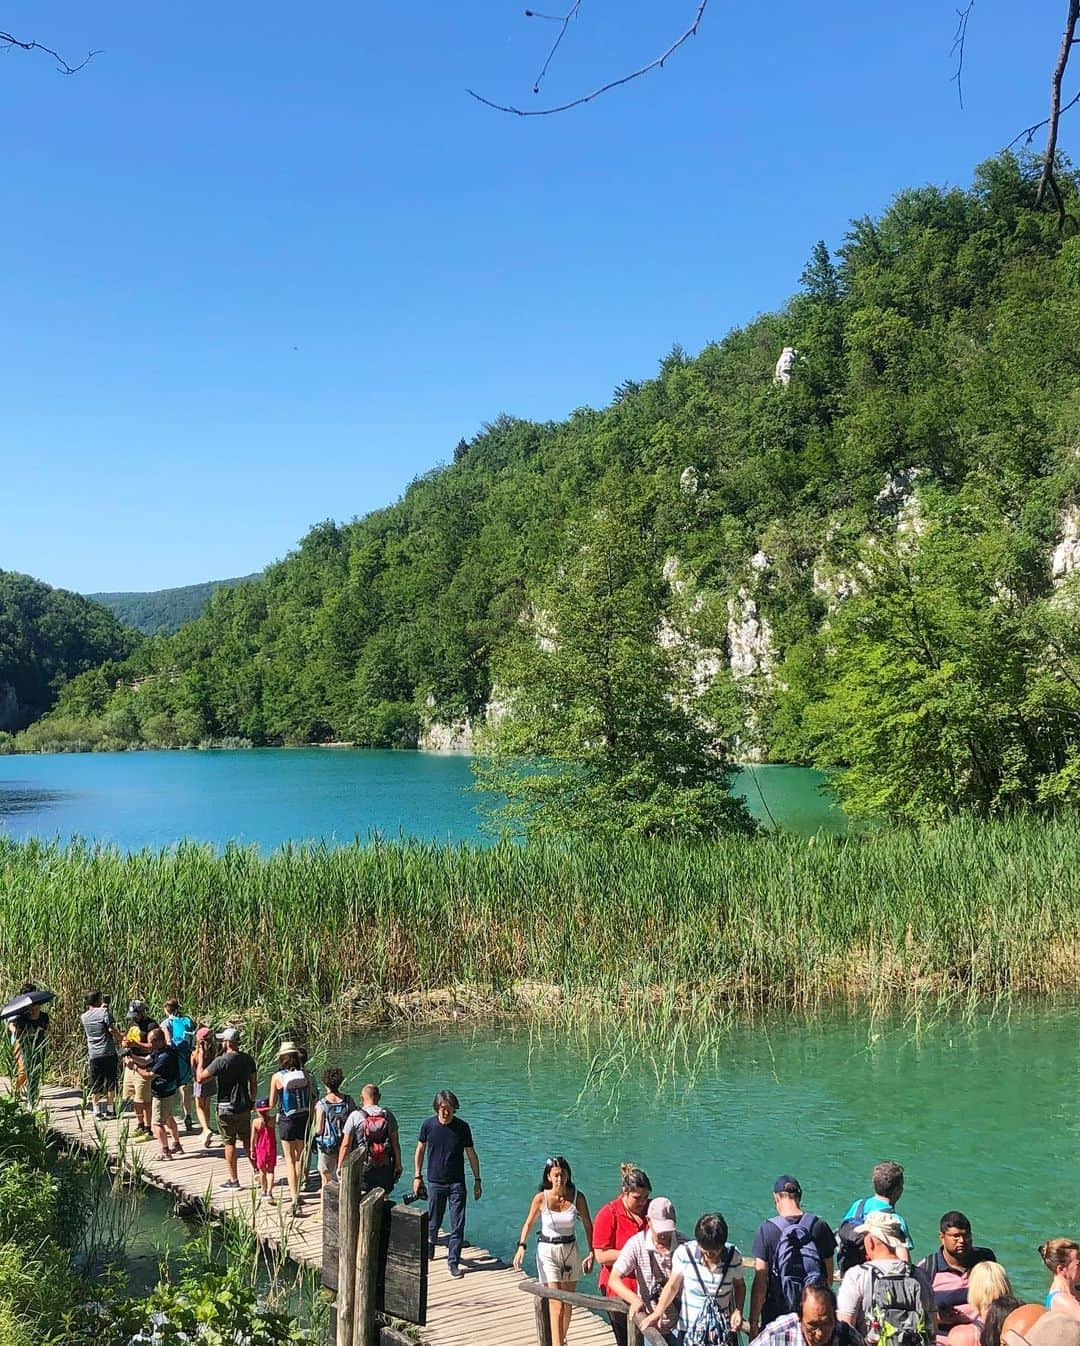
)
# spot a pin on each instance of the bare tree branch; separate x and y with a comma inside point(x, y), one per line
point(565, 20)
point(8, 41)
point(604, 88)
point(1050, 157)
point(959, 38)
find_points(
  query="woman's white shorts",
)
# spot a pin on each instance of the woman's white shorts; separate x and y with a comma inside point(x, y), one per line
point(557, 1262)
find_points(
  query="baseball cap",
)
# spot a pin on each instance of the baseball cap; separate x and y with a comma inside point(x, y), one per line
point(201, 1034)
point(787, 1185)
point(885, 1226)
point(661, 1215)
point(229, 1035)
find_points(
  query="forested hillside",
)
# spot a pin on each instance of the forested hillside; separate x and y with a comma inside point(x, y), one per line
point(163, 611)
point(46, 637)
point(858, 553)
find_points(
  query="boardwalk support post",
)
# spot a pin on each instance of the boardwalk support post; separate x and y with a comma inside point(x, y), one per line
point(350, 1192)
point(543, 1324)
point(366, 1292)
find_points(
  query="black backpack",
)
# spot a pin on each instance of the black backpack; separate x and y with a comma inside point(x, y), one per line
point(850, 1251)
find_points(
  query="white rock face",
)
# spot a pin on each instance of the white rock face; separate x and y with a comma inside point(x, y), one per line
point(784, 366)
point(460, 735)
point(750, 638)
point(898, 500)
point(1066, 557)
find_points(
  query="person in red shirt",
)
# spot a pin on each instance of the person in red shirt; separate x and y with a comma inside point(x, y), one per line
point(615, 1224)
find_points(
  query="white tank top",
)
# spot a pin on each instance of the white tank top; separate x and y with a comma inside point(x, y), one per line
point(557, 1223)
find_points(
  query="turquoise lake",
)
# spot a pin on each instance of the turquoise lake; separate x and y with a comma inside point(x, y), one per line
point(270, 796)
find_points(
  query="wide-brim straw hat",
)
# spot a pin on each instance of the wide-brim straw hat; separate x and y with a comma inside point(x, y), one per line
point(288, 1046)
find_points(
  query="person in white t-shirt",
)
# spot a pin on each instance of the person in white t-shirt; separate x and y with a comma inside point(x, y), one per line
point(705, 1272)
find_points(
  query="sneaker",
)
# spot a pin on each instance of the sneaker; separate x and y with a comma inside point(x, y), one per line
point(456, 1271)
point(177, 1149)
point(230, 1185)
point(208, 1140)
point(164, 1155)
point(189, 1125)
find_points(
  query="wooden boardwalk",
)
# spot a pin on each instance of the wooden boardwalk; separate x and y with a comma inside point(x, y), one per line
point(484, 1308)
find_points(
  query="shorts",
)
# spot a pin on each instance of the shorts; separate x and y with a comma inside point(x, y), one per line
point(184, 1062)
point(294, 1127)
point(234, 1126)
point(102, 1073)
point(328, 1160)
point(136, 1087)
point(381, 1175)
point(207, 1090)
point(557, 1262)
point(161, 1109)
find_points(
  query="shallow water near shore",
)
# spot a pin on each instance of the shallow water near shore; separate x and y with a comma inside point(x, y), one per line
point(270, 796)
point(974, 1110)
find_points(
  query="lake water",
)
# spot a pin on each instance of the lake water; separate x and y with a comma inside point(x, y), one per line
point(270, 796)
point(980, 1116)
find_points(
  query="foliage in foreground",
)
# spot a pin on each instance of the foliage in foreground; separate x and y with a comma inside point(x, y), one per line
point(982, 909)
point(937, 348)
point(43, 1302)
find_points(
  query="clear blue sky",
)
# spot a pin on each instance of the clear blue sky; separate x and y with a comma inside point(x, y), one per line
point(263, 264)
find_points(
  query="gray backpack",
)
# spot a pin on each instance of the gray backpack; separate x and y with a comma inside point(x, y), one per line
point(893, 1309)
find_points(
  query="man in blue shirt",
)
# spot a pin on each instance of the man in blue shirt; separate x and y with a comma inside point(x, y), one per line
point(447, 1141)
point(887, 1179)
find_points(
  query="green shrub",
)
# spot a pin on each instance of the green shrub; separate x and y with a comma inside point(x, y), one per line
point(21, 1138)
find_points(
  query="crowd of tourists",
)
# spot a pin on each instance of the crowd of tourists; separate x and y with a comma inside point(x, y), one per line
point(809, 1285)
point(859, 1284)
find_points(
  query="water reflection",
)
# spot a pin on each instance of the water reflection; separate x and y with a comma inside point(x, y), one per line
point(25, 797)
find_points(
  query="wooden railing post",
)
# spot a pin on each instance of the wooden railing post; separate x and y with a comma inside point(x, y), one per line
point(633, 1332)
point(543, 1323)
point(350, 1190)
point(366, 1293)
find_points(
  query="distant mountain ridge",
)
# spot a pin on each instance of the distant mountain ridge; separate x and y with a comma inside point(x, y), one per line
point(158, 612)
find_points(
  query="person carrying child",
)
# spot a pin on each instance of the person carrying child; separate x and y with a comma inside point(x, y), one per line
point(264, 1147)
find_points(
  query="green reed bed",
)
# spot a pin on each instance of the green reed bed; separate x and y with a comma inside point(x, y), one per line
point(330, 937)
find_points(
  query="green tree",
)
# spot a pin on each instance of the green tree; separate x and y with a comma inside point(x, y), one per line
point(599, 738)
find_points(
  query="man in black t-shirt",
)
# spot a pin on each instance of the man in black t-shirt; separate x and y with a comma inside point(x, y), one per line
point(237, 1078)
point(447, 1141)
point(767, 1300)
point(162, 1069)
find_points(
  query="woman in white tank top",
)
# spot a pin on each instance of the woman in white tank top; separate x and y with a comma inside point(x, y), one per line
point(559, 1263)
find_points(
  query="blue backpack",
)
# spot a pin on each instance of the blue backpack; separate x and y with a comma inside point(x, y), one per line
point(796, 1261)
point(335, 1115)
point(295, 1093)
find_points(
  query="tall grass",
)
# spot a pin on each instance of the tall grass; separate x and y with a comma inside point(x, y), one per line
point(319, 937)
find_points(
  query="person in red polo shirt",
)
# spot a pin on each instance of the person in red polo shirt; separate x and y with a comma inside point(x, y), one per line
point(615, 1224)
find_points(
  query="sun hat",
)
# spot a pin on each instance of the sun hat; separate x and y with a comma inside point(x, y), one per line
point(229, 1035)
point(786, 1185)
point(661, 1215)
point(885, 1226)
point(289, 1046)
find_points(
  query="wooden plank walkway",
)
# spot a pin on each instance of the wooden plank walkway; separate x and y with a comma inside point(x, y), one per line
point(484, 1308)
